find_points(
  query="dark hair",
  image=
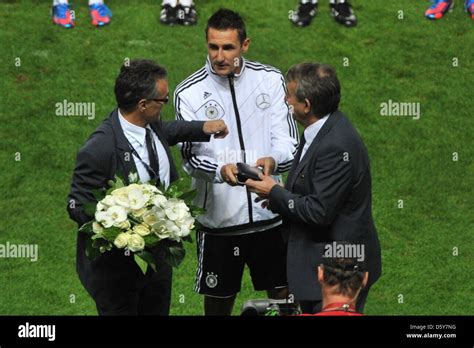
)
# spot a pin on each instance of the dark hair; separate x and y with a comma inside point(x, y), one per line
point(225, 19)
point(345, 273)
point(319, 84)
point(137, 80)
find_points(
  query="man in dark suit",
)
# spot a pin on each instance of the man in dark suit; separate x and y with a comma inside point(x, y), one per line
point(327, 196)
point(131, 140)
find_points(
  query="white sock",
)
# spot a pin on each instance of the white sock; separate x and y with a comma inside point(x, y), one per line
point(59, 2)
point(186, 3)
point(172, 3)
point(95, 2)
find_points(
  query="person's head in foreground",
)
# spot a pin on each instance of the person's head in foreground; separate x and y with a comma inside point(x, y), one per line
point(226, 42)
point(341, 280)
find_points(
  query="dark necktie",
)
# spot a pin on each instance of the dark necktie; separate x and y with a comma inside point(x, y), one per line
point(296, 161)
point(153, 156)
point(300, 149)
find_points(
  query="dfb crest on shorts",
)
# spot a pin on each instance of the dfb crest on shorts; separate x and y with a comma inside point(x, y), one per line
point(211, 280)
point(211, 110)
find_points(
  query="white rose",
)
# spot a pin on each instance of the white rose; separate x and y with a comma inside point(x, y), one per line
point(133, 187)
point(119, 191)
point(173, 230)
point(150, 218)
point(100, 207)
point(185, 225)
point(97, 227)
point(124, 225)
point(137, 199)
point(104, 219)
point(160, 230)
point(148, 189)
point(142, 230)
point(121, 198)
point(159, 212)
point(183, 210)
point(159, 200)
point(108, 201)
point(122, 240)
point(175, 209)
point(136, 243)
point(138, 212)
point(117, 213)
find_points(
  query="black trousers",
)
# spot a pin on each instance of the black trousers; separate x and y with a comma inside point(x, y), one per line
point(119, 287)
point(312, 307)
point(151, 296)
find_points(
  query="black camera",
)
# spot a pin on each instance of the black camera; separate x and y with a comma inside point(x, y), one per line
point(269, 307)
point(247, 172)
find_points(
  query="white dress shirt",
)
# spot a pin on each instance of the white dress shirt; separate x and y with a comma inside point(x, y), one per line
point(136, 137)
point(311, 132)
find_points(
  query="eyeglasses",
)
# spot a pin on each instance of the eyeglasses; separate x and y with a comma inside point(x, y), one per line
point(164, 100)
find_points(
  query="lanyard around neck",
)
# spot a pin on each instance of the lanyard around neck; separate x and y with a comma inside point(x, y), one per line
point(148, 168)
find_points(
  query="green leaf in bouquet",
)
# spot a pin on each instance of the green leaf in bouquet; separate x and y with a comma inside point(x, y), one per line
point(174, 254)
point(115, 184)
point(188, 197)
point(143, 259)
point(151, 240)
point(111, 233)
point(176, 189)
point(118, 182)
point(87, 228)
point(100, 243)
point(89, 208)
point(92, 252)
point(195, 210)
point(99, 194)
point(172, 192)
point(141, 263)
point(181, 184)
point(133, 219)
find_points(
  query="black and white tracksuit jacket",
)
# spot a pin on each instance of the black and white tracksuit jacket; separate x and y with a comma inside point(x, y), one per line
point(253, 106)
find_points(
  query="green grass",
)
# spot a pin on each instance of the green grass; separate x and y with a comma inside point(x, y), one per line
point(407, 60)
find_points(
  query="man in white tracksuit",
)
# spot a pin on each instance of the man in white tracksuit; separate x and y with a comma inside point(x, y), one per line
point(236, 230)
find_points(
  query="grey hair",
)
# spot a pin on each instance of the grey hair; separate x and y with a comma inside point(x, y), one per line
point(319, 84)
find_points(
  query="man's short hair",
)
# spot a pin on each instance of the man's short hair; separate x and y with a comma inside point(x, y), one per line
point(345, 273)
point(319, 84)
point(137, 80)
point(225, 19)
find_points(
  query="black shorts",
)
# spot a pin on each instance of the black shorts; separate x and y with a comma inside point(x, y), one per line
point(221, 261)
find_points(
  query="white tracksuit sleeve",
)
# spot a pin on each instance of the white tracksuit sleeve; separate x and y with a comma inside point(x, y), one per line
point(284, 130)
point(195, 161)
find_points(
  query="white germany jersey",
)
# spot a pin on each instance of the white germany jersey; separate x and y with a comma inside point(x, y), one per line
point(253, 106)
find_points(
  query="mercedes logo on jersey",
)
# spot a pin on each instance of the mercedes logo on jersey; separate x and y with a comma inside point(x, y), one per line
point(211, 110)
point(263, 101)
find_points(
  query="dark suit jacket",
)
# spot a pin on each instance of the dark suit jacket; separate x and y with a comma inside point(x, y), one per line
point(326, 198)
point(105, 154)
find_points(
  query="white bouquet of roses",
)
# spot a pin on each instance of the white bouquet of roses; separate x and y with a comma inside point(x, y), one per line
point(139, 216)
